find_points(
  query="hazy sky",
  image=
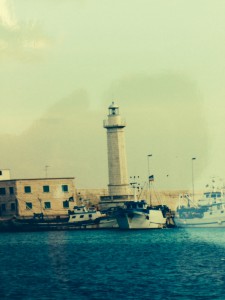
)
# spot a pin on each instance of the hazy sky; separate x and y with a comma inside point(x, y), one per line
point(62, 62)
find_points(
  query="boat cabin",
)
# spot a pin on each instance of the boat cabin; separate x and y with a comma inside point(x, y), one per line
point(136, 204)
point(210, 198)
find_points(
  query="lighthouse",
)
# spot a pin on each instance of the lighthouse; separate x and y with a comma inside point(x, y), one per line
point(118, 186)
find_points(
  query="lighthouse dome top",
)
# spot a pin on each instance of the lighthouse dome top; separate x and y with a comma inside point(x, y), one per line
point(113, 109)
point(113, 105)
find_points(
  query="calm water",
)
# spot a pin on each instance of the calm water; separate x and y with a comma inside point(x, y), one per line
point(112, 264)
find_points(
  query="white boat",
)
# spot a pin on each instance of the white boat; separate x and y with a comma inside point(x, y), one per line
point(209, 211)
point(83, 215)
point(91, 218)
point(138, 215)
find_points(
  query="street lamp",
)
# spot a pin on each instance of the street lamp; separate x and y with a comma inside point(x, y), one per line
point(192, 165)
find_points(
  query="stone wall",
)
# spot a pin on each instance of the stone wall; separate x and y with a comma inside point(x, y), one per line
point(165, 197)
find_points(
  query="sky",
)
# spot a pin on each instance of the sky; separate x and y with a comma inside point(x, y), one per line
point(62, 63)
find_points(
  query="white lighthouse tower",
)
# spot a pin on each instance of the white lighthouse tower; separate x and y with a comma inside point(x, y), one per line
point(118, 186)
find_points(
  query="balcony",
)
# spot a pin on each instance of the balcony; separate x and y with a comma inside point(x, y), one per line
point(107, 124)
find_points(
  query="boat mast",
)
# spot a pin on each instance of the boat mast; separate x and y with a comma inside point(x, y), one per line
point(135, 185)
point(149, 184)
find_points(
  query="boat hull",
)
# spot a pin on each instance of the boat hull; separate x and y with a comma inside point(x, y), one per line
point(207, 220)
point(136, 220)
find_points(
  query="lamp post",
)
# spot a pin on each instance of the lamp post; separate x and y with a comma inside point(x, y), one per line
point(192, 165)
point(148, 157)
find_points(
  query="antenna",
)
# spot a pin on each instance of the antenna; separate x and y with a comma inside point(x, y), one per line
point(46, 171)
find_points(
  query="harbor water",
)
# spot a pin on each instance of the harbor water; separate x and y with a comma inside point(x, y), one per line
point(113, 264)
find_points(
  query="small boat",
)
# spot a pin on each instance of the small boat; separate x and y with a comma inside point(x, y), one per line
point(209, 211)
point(91, 218)
point(83, 215)
point(139, 215)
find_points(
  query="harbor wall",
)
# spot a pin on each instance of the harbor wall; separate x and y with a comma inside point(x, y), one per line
point(162, 197)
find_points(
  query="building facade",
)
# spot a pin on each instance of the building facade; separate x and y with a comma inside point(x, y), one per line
point(27, 197)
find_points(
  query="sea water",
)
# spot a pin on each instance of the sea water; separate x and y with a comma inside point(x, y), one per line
point(113, 264)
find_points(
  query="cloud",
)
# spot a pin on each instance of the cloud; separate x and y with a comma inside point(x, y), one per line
point(23, 41)
point(69, 138)
point(165, 116)
point(7, 19)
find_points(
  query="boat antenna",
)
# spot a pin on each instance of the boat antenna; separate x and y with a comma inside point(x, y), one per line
point(135, 185)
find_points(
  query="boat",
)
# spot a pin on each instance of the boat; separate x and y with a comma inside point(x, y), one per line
point(208, 211)
point(138, 214)
point(81, 215)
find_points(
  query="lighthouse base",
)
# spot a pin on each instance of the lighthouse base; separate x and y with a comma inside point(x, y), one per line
point(107, 202)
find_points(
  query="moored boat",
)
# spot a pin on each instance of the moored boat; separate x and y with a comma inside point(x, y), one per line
point(209, 211)
point(90, 216)
point(139, 215)
point(80, 217)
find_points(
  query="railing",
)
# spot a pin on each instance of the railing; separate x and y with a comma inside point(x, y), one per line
point(108, 124)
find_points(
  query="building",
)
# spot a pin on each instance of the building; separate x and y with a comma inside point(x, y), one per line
point(26, 197)
point(118, 187)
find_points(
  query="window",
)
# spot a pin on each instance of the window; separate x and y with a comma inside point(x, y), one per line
point(66, 204)
point(3, 207)
point(29, 205)
point(73, 217)
point(65, 188)
point(81, 216)
point(27, 189)
point(0, 172)
point(90, 216)
point(13, 206)
point(2, 191)
point(46, 189)
point(47, 205)
point(11, 190)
